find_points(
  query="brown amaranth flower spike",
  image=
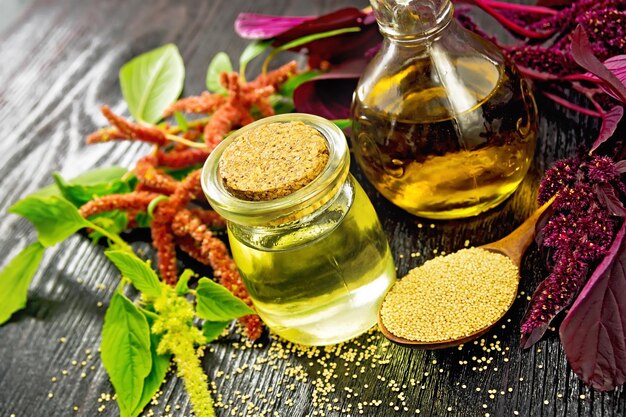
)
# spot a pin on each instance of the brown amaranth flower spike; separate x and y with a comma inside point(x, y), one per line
point(209, 217)
point(181, 158)
point(225, 119)
point(149, 175)
point(189, 246)
point(163, 242)
point(234, 110)
point(208, 247)
point(132, 218)
point(145, 133)
point(164, 245)
point(164, 213)
point(275, 78)
point(204, 103)
point(180, 155)
point(229, 112)
point(106, 134)
point(131, 202)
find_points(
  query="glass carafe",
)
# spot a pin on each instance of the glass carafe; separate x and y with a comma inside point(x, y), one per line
point(443, 124)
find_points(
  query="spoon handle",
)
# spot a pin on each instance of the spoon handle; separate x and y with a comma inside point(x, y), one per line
point(516, 243)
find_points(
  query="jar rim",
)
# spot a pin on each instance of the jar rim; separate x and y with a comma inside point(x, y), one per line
point(265, 212)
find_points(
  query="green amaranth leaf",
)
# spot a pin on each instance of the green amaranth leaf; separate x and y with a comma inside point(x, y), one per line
point(342, 123)
point(115, 221)
point(219, 64)
point(304, 40)
point(253, 50)
point(179, 174)
point(79, 194)
point(182, 122)
point(152, 81)
point(137, 271)
point(216, 303)
point(54, 218)
point(280, 104)
point(132, 180)
point(15, 279)
point(212, 329)
point(182, 286)
point(125, 352)
point(283, 101)
point(294, 82)
point(96, 176)
point(160, 364)
point(142, 219)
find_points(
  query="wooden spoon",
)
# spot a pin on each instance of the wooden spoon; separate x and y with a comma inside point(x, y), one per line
point(512, 246)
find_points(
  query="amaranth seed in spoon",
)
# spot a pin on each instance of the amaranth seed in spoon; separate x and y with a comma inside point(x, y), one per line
point(451, 297)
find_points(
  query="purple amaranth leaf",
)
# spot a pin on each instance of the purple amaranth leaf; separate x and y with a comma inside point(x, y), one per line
point(335, 49)
point(330, 94)
point(523, 8)
point(583, 55)
point(328, 98)
point(339, 19)
point(593, 333)
point(610, 200)
point(610, 120)
point(617, 65)
point(569, 105)
point(263, 26)
point(554, 3)
point(537, 75)
point(508, 22)
point(371, 53)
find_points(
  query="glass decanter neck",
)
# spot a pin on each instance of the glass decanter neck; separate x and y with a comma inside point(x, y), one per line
point(408, 20)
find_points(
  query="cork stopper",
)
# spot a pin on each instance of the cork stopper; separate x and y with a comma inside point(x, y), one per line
point(273, 161)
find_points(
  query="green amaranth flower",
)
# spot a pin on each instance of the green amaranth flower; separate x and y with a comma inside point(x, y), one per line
point(180, 337)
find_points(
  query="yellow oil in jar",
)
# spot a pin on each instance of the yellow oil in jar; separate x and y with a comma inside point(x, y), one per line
point(322, 283)
point(445, 149)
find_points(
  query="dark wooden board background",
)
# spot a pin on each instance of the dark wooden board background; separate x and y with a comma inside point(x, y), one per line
point(59, 64)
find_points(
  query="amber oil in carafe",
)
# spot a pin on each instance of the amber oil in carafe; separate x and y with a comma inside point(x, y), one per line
point(445, 127)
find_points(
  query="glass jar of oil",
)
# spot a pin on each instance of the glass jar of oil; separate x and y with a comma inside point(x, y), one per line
point(443, 124)
point(316, 262)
